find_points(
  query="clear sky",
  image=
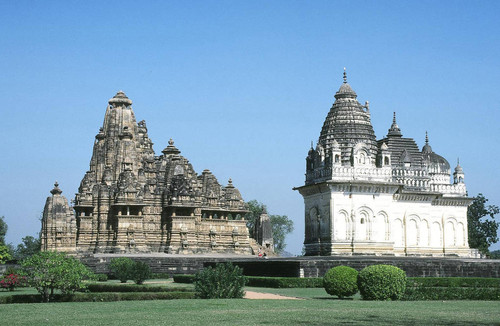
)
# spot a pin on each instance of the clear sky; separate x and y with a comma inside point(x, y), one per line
point(242, 87)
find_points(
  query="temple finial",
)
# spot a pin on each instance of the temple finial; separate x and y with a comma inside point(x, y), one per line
point(312, 144)
point(56, 190)
point(171, 142)
point(394, 117)
point(458, 161)
point(345, 76)
point(426, 138)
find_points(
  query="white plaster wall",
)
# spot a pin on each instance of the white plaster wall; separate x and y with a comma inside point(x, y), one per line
point(380, 218)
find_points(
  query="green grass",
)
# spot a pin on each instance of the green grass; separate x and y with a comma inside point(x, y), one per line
point(253, 312)
point(18, 291)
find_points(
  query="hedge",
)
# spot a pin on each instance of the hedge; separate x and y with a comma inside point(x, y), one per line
point(268, 282)
point(118, 287)
point(451, 293)
point(181, 278)
point(455, 282)
point(153, 276)
point(98, 297)
point(285, 282)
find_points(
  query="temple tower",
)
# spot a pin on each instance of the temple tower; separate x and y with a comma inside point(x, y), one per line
point(385, 197)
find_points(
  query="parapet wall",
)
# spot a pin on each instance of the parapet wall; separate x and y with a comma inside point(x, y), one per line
point(305, 266)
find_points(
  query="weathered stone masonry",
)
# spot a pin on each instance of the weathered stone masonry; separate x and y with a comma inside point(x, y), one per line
point(131, 200)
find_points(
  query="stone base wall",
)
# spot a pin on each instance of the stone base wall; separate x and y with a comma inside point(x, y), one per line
point(305, 266)
point(413, 266)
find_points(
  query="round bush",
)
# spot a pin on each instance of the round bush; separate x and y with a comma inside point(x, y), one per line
point(341, 281)
point(382, 282)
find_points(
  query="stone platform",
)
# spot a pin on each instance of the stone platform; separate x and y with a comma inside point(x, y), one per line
point(304, 266)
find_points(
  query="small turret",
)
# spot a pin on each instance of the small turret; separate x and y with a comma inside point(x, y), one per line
point(458, 175)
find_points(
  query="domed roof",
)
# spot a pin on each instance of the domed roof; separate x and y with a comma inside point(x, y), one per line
point(438, 159)
point(433, 159)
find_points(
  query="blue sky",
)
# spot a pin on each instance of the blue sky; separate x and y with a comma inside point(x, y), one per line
point(242, 87)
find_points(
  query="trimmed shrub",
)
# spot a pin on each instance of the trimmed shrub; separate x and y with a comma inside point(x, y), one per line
point(121, 268)
point(98, 297)
point(382, 282)
point(181, 278)
point(341, 281)
point(140, 272)
point(225, 281)
point(117, 287)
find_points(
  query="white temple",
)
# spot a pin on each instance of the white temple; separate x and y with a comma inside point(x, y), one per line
point(380, 197)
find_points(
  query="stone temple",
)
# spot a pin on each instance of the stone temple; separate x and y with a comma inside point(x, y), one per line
point(132, 201)
point(382, 197)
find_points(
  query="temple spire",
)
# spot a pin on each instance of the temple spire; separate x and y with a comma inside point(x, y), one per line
point(394, 130)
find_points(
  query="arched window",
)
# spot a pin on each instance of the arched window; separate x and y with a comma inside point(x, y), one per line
point(386, 160)
point(337, 158)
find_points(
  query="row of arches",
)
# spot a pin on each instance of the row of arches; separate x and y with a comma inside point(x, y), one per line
point(420, 232)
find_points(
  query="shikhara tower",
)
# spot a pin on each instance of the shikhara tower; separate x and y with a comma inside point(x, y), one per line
point(131, 200)
point(383, 197)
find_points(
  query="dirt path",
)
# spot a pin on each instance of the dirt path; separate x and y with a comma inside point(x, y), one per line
point(260, 295)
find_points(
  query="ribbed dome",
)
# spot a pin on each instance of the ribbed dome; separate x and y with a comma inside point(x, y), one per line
point(436, 164)
point(348, 123)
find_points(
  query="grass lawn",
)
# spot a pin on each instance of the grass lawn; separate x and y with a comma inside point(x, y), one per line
point(18, 291)
point(253, 312)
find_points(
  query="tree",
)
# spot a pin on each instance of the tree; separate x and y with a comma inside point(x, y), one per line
point(281, 225)
point(3, 230)
point(255, 209)
point(481, 224)
point(47, 271)
point(5, 255)
point(29, 246)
